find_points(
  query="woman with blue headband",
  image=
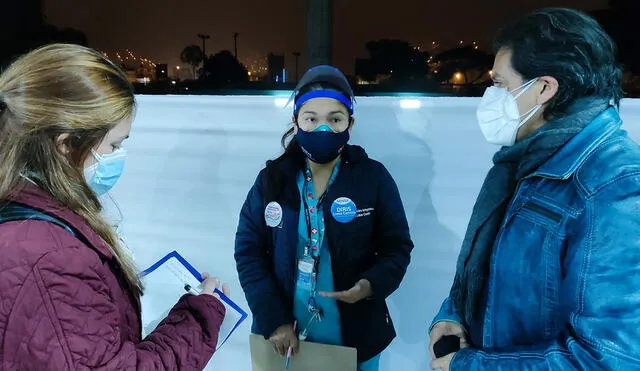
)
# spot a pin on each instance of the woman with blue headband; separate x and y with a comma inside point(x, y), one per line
point(323, 238)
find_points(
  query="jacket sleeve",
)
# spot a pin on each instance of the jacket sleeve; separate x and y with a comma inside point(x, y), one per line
point(261, 289)
point(602, 279)
point(76, 325)
point(448, 313)
point(393, 239)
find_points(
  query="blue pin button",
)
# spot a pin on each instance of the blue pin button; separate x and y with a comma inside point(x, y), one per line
point(344, 210)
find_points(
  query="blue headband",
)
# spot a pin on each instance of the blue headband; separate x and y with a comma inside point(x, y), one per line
point(323, 94)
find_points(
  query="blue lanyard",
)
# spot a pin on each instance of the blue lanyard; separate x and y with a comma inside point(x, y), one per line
point(313, 250)
point(315, 253)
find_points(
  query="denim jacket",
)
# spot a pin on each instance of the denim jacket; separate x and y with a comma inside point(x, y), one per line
point(564, 287)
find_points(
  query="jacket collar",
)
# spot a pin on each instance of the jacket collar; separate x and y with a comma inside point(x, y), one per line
point(569, 158)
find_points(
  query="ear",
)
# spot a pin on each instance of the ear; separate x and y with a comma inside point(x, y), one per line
point(62, 142)
point(547, 87)
point(352, 121)
point(295, 125)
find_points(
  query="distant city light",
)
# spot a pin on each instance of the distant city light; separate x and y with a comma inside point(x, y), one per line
point(129, 56)
point(256, 64)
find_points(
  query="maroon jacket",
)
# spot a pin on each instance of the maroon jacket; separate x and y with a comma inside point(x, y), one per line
point(65, 306)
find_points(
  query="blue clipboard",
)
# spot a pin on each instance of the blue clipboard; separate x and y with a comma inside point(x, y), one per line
point(196, 274)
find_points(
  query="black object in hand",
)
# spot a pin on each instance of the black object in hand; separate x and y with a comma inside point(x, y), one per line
point(446, 345)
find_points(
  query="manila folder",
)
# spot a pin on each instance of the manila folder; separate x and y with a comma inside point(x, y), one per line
point(310, 357)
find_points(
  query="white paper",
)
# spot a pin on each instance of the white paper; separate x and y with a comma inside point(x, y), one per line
point(164, 287)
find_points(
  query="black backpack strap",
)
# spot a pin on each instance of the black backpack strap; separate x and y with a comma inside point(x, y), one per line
point(12, 211)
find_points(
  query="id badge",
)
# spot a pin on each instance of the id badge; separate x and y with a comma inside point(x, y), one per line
point(305, 273)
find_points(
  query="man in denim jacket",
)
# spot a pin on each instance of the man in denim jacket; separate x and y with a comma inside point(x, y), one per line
point(548, 276)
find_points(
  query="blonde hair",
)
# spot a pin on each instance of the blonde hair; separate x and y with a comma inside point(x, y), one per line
point(54, 90)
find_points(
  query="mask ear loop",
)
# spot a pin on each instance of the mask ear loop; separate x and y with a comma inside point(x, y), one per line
point(524, 87)
point(533, 109)
point(529, 114)
point(96, 155)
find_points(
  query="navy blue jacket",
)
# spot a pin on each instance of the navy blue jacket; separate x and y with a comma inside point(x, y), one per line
point(375, 246)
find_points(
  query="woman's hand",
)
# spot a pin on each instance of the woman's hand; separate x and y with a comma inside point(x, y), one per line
point(209, 284)
point(361, 290)
point(283, 338)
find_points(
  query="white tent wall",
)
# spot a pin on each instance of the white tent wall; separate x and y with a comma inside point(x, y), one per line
point(192, 160)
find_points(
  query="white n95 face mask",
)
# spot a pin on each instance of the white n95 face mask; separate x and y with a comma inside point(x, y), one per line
point(498, 114)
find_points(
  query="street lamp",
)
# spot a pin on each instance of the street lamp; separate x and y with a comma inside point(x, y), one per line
point(458, 77)
point(204, 37)
point(235, 43)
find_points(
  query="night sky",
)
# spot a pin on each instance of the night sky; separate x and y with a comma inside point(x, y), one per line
point(160, 29)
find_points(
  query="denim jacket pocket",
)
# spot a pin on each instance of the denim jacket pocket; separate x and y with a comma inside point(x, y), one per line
point(530, 246)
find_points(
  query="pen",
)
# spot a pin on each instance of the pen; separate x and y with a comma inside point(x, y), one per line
point(290, 350)
point(188, 289)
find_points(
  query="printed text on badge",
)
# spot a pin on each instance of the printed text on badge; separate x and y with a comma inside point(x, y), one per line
point(343, 210)
point(273, 214)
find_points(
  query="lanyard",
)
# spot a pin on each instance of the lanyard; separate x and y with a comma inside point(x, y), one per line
point(314, 309)
point(315, 249)
point(312, 250)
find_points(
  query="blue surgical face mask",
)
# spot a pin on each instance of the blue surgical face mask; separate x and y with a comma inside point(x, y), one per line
point(323, 144)
point(104, 174)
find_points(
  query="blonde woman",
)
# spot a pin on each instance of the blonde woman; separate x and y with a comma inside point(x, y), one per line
point(69, 294)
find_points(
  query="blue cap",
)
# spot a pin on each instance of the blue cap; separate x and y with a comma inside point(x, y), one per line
point(329, 75)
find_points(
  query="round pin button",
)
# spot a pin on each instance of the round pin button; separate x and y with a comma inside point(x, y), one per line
point(273, 214)
point(344, 210)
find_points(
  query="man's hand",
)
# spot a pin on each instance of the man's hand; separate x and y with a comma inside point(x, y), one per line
point(442, 363)
point(361, 290)
point(437, 332)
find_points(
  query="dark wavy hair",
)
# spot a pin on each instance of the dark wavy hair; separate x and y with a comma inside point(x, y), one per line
point(569, 46)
